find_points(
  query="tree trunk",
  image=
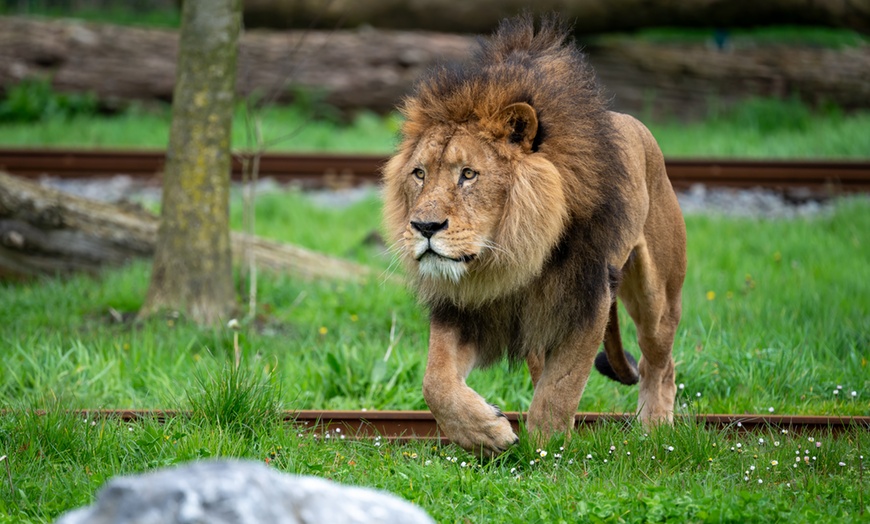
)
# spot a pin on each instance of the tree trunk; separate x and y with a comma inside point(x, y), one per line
point(192, 270)
point(374, 69)
point(44, 231)
point(589, 16)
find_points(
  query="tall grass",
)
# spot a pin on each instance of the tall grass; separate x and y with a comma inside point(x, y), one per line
point(776, 315)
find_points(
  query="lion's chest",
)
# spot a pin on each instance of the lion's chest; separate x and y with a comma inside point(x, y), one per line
point(512, 327)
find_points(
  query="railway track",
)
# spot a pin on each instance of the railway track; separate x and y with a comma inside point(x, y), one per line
point(421, 425)
point(318, 170)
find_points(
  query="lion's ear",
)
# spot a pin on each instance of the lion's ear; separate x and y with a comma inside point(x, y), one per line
point(520, 124)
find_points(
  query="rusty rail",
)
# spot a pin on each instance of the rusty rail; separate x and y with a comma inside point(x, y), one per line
point(319, 170)
point(421, 425)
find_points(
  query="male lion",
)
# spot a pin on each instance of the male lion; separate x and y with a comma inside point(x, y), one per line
point(523, 208)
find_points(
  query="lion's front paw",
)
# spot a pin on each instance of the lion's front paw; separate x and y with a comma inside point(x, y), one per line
point(485, 431)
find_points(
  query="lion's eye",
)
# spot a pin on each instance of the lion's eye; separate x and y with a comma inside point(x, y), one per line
point(418, 173)
point(467, 174)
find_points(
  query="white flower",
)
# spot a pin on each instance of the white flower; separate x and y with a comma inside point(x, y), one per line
point(463, 464)
point(739, 445)
point(698, 394)
point(770, 409)
point(776, 443)
point(760, 481)
point(589, 456)
point(670, 448)
point(653, 457)
point(682, 386)
point(761, 441)
point(854, 394)
point(427, 463)
point(842, 464)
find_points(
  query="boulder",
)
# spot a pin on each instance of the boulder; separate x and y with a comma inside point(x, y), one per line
point(239, 492)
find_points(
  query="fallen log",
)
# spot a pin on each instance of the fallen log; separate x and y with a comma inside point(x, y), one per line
point(44, 231)
point(374, 69)
point(350, 69)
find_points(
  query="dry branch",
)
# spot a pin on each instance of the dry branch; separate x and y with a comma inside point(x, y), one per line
point(44, 231)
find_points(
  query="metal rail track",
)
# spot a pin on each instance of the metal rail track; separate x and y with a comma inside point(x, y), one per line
point(420, 425)
point(318, 170)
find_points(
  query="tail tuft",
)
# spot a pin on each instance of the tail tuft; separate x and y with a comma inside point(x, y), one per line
point(603, 366)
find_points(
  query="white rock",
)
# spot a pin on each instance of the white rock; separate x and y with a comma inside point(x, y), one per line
point(238, 492)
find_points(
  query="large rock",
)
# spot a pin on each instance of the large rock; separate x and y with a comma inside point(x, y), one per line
point(236, 492)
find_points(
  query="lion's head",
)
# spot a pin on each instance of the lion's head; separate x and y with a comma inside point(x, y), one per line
point(473, 209)
point(498, 157)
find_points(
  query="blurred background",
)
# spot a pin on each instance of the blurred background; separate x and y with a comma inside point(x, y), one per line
point(781, 79)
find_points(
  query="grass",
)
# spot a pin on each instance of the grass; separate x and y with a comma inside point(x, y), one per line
point(609, 473)
point(33, 115)
point(776, 315)
point(284, 128)
point(757, 128)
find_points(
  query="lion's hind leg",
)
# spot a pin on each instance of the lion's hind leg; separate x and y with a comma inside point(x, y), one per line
point(651, 294)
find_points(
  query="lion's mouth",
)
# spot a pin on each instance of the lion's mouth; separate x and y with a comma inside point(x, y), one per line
point(461, 258)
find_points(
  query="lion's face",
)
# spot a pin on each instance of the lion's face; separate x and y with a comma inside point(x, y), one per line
point(472, 216)
point(456, 188)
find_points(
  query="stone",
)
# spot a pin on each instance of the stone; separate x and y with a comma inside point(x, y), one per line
point(239, 492)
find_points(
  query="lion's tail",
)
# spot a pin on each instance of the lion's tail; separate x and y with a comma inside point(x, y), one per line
point(614, 362)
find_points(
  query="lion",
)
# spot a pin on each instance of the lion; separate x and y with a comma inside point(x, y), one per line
point(522, 208)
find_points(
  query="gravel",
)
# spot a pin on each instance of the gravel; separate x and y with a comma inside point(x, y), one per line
point(754, 203)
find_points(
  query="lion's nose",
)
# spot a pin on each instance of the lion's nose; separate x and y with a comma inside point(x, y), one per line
point(427, 229)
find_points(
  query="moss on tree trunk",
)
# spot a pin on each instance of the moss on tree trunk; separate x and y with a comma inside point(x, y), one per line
point(192, 262)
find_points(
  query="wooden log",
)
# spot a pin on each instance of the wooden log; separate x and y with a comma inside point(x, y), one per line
point(44, 231)
point(351, 69)
point(374, 69)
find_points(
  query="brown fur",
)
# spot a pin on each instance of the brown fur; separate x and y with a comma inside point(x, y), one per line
point(519, 204)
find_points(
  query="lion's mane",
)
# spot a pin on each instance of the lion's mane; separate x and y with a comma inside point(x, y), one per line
point(562, 281)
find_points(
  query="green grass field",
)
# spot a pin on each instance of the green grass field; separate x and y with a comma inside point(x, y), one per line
point(776, 316)
point(745, 133)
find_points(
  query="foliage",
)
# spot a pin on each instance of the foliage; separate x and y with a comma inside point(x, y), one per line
point(34, 100)
point(835, 38)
